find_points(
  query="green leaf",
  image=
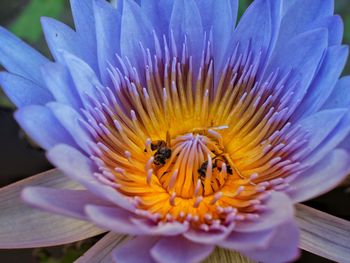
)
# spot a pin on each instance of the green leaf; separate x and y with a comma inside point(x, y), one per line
point(28, 25)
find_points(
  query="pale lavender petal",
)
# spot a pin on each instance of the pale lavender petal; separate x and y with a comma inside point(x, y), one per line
point(79, 168)
point(22, 226)
point(239, 241)
point(210, 237)
point(113, 219)
point(323, 234)
point(282, 248)
point(321, 178)
point(101, 251)
point(279, 210)
point(180, 250)
point(135, 251)
point(121, 221)
point(62, 201)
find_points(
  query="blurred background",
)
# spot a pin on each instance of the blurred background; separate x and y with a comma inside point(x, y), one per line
point(19, 158)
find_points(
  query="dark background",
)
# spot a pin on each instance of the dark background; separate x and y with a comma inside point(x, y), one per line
point(20, 158)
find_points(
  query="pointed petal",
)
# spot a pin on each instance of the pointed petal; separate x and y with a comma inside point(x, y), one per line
point(60, 83)
point(23, 92)
point(186, 21)
point(61, 37)
point(326, 129)
point(113, 219)
point(300, 15)
point(159, 13)
point(84, 78)
point(22, 226)
point(335, 27)
point(257, 29)
point(121, 221)
point(324, 81)
point(42, 126)
point(340, 97)
point(69, 119)
point(61, 201)
point(101, 251)
point(323, 234)
point(84, 21)
point(220, 18)
point(79, 168)
point(134, 250)
point(208, 237)
point(321, 178)
point(301, 56)
point(178, 249)
point(108, 26)
point(239, 241)
point(136, 28)
point(279, 210)
point(282, 248)
point(19, 58)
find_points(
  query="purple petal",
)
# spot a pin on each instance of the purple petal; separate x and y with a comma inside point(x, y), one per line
point(61, 37)
point(84, 21)
point(22, 226)
point(180, 250)
point(61, 201)
point(325, 79)
point(257, 28)
point(108, 26)
point(321, 143)
point(220, 18)
point(301, 55)
point(42, 126)
point(152, 9)
point(335, 27)
point(23, 92)
point(210, 237)
point(279, 210)
point(121, 221)
point(240, 241)
point(15, 56)
point(113, 219)
point(301, 14)
point(167, 229)
point(282, 248)
point(60, 83)
point(321, 178)
point(79, 168)
point(68, 117)
point(340, 97)
point(135, 251)
point(136, 28)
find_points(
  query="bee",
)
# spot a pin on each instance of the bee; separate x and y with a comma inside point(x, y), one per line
point(163, 151)
point(202, 170)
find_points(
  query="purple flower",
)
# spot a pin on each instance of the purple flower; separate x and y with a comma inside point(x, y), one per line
point(183, 129)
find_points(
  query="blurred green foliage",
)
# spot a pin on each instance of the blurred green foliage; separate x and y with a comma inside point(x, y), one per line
point(27, 25)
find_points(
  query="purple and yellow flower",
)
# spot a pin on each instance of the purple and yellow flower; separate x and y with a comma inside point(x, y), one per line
point(181, 128)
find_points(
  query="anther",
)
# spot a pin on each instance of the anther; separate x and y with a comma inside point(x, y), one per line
point(199, 199)
point(217, 196)
point(172, 199)
point(149, 176)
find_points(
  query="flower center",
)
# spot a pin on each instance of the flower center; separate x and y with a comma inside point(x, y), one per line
point(185, 146)
point(194, 164)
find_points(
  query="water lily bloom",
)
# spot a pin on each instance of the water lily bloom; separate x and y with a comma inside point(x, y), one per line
point(181, 128)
